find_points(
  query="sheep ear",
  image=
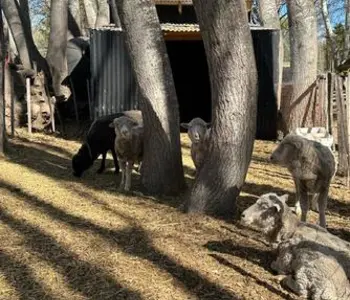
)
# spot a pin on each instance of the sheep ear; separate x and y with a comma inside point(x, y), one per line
point(184, 125)
point(111, 125)
point(284, 198)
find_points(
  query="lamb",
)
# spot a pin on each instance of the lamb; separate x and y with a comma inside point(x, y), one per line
point(128, 145)
point(312, 166)
point(198, 132)
point(281, 225)
point(99, 140)
point(312, 273)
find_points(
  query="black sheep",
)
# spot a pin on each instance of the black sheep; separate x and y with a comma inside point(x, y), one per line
point(99, 139)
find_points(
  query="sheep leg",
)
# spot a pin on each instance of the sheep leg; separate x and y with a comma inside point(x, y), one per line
point(129, 166)
point(294, 286)
point(103, 163)
point(314, 202)
point(115, 160)
point(304, 202)
point(322, 205)
point(122, 164)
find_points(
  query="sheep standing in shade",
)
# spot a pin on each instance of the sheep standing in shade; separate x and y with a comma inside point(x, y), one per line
point(198, 131)
point(312, 166)
point(128, 146)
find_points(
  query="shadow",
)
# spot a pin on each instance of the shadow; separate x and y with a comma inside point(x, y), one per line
point(342, 233)
point(132, 240)
point(83, 277)
point(259, 257)
point(21, 278)
point(245, 273)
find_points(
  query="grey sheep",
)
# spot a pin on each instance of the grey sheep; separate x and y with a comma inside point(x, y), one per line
point(271, 215)
point(198, 131)
point(128, 146)
point(312, 274)
point(312, 166)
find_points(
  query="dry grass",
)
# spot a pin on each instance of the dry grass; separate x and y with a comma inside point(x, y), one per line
point(68, 238)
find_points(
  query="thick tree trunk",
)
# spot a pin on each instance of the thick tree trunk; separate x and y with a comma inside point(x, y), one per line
point(303, 44)
point(162, 170)
point(233, 77)
point(56, 52)
point(74, 19)
point(11, 12)
point(114, 10)
point(90, 7)
point(102, 13)
point(2, 99)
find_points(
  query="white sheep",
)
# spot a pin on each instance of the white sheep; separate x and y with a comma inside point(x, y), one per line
point(271, 215)
point(128, 146)
point(198, 131)
point(312, 272)
point(312, 166)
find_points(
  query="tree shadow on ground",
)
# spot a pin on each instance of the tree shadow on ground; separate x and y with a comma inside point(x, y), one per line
point(87, 279)
point(21, 278)
point(245, 273)
point(132, 240)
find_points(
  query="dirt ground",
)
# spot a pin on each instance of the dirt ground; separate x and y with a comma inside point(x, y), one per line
point(68, 238)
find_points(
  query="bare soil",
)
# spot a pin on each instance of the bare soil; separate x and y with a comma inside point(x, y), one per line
point(69, 238)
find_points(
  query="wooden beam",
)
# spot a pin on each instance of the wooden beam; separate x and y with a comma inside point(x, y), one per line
point(182, 36)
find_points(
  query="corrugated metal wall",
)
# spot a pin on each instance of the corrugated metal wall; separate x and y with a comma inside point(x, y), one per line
point(113, 85)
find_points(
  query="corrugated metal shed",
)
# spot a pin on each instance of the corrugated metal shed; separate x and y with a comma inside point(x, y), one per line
point(113, 86)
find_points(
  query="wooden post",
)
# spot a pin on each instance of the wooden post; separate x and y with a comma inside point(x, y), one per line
point(325, 102)
point(347, 125)
point(29, 109)
point(13, 103)
point(74, 100)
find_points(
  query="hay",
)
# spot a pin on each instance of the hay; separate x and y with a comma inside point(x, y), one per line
point(68, 238)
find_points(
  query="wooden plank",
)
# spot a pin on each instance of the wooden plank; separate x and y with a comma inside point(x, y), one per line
point(29, 108)
point(325, 102)
point(342, 138)
point(331, 83)
point(347, 126)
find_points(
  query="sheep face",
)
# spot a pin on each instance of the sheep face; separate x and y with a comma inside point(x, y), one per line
point(287, 150)
point(266, 212)
point(197, 130)
point(81, 161)
point(123, 127)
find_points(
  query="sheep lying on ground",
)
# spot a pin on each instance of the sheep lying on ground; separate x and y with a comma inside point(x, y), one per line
point(312, 273)
point(128, 145)
point(276, 220)
point(99, 139)
point(312, 166)
point(198, 132)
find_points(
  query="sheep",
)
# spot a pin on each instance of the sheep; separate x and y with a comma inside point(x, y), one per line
point(271, 215)
point(312, 273)
point(99, 140)
point(128, 145)
point(312, 166)
point(198, 131)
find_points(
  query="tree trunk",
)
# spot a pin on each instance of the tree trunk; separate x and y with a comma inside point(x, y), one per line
point(162, 171)
point(329, 31)
point(90, 8)
point(56, 52)
point(11, 12)
point(303, 44)
point(347, 30)
point(2, 99)
point(233, 78)
point(102, 13)
point(114, 11)
point(74, 19)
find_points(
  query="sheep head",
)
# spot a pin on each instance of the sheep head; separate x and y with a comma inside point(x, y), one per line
point(196, 130)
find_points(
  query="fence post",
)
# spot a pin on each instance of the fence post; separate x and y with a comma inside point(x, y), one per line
point(29, 107)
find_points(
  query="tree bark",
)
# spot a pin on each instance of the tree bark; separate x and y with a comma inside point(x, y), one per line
point(303, 44)
point(102, 13)
point(90, 7)
point(329, 31)
point(74, 19)
point(2, 99)
point(162, 171)
point(56, 52)
point(115, 14)
point(347, 30)
point(233, 78)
